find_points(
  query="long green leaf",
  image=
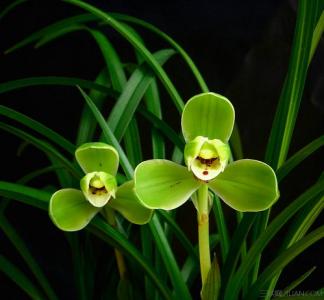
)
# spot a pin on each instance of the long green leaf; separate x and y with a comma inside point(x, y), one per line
point(149, 58)
point(132, 143)
point(10, 7)
point(87, 124)
point(318, 32)
point(43, 146)
point(54, 80)
point(112, 60)
point(24, 194)
point(24, 252)
point(164, 128)
point(169, 260)
point(153, 104)
point(179, 234)
point(237, 242)
point(133, 92)
point(283, 259)
point(299, 157)
point(109, 234)
point(38, 127)
point(298, 281)
point(19, 278)
point(291, 95)
point(49, 30)
point(108, 134)
point(40, 199)
point(59, 33)
point(221, 226)
point(235, 284)
point(299, 228)
point(168, 39)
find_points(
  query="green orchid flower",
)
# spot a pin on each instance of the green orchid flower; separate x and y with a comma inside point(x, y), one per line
point(71, 209)
point(207, 123)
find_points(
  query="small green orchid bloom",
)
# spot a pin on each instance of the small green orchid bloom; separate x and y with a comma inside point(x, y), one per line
point(207, 123)
point(72, 209)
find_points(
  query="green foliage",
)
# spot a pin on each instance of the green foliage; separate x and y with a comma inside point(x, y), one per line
point(146, 263)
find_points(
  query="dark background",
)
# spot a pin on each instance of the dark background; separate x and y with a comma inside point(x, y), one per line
point(242, 50)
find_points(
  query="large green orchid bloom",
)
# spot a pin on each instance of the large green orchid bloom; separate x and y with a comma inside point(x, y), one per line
point(207, 124)
point(72, 209)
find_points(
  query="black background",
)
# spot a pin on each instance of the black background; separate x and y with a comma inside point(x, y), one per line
point(242, 50)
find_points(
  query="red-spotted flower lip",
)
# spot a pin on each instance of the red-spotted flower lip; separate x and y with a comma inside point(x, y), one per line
point(206, 158)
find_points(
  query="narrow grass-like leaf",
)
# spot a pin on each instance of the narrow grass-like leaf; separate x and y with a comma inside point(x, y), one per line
point(282, 260)
point(298, 281)
point(113, 63)
point(40, 199)
point(318, 32)
point(133, 92)
point(299, 157)
point(149, 58)
point(43, 146)
point(221, 226)
point(132, 143)
point(54, 80)
point(37, 173)
point(24, 252)
point(59, 33)
point(164, 128)
point(87, 123)
point(303, 222)
point(235, 284)
point(236, 144)
point(38, 127)
point(147, 250)
point(83, 18)
point(168, 39)
point(169, 260)
point(119, 83)
point(49, 30)
point(19, 278)
point(291, 95)
point(24, 194)
point(179, 234)
point(152, 101)
point(111, 235)
point(298, 229)
point(109, 136)
point(237, 242)
point(10, 7)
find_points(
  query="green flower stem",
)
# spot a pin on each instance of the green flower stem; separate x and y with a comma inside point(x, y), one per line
point(111, 219)
point(203, 232)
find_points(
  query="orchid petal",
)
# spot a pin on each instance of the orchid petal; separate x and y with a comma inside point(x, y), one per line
point(209, 115)
point(164, 184)
point(94, 157)
point(247, 185)
point(70, 211)
point(128, 205)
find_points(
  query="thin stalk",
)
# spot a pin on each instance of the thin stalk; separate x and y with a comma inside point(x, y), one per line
point(121, 265)
point(203, 232)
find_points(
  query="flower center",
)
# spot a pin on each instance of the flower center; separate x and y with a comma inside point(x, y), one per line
point(97, 187)
point(206, 168)
point(206, 158)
